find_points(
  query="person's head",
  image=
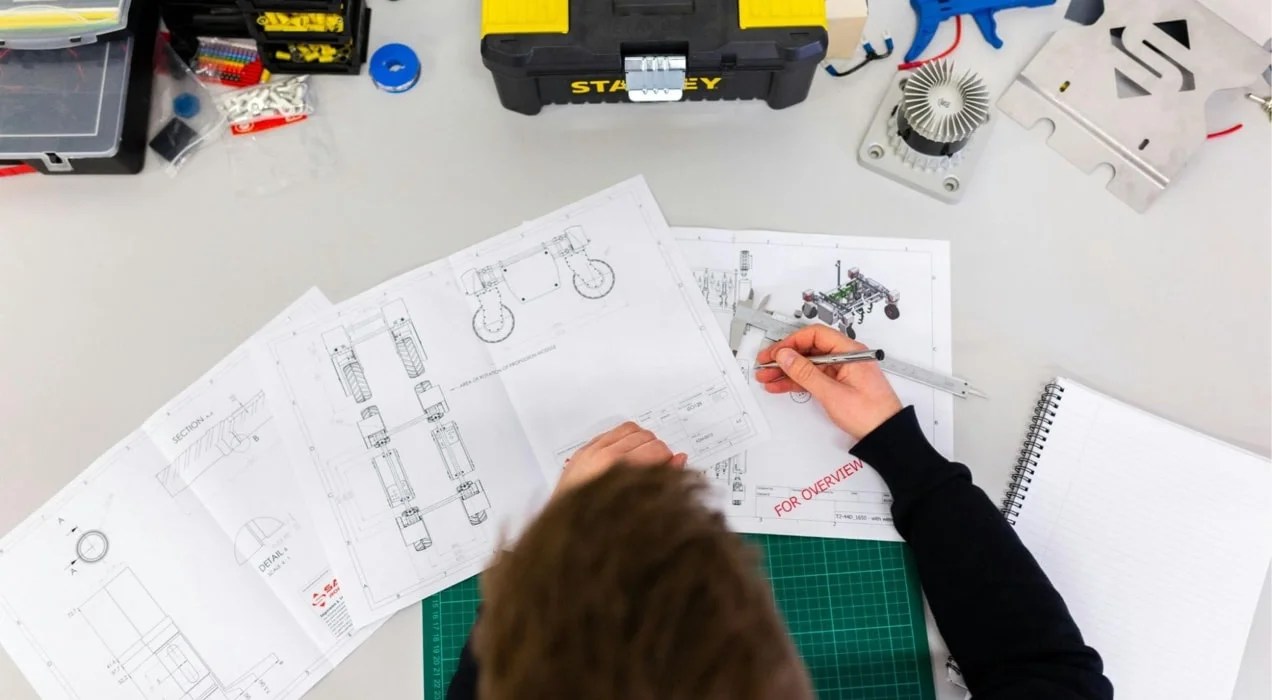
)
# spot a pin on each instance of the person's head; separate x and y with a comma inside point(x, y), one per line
point(628, 586)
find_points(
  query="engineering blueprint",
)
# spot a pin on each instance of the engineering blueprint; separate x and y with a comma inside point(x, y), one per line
point(182, 564)
point(430, 415)
point(890, 293)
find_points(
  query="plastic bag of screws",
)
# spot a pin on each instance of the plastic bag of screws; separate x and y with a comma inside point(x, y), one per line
point(268, 106)
point(187, 120)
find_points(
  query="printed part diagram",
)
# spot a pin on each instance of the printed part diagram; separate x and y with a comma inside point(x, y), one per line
point(700, 422)
point(149, 651)
point(531, 274)
point(848, 303)
point(235, 433)
point(385, 460)
point(723, 288)
point(341, 342)
point(729, 472)
point(253, 535)
point(450, 445)
point(432, 401)
point(92, 546)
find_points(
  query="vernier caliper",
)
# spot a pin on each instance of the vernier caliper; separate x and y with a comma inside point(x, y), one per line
point(748, 314)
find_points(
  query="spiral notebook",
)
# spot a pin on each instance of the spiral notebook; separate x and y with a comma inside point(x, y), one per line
point(1158, 538)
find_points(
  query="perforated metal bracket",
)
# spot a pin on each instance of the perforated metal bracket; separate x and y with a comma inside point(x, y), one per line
point(655, 78)
point(1130, 90)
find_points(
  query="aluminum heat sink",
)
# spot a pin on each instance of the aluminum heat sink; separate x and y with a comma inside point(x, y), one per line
point(941, 109)
point(929, 130)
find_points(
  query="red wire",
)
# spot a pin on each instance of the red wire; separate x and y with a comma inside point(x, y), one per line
point(1225, 132)
point(958, 36)
point(19, 169)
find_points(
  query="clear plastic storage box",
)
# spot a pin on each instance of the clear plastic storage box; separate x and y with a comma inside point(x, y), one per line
point(54, 24)
point(63, 104)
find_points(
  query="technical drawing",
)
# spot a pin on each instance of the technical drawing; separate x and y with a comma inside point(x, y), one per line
point(92, 546)
point(476, 504)
point(405, 339)
point(849, 303)
point(233, 434)
point(341, 342)
point(531, 274)
point(729, 471)
point(253, 535)
point(451, 446)
point(394, 320)
point(353, 378)
point(411, 523)
point(397, 488)
point(432, 401)
point(398, 491)
point(149, 651)
point(723, 288)
point(374, 434)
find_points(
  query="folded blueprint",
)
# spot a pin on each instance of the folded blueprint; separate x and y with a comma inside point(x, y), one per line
point(181, 564)
point(430, 415)
point(892, 293)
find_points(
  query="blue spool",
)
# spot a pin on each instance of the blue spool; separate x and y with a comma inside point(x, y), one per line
point(394, 68)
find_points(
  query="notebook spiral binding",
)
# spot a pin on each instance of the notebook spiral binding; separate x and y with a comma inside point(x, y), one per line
point(1035, 442)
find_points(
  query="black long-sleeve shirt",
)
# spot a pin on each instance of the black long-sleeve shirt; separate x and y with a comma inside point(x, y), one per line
point(1002, 619)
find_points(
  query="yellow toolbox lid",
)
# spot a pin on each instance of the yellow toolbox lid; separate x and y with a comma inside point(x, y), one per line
point(781, 13)
point(525, 17)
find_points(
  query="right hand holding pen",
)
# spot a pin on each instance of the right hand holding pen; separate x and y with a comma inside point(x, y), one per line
point(856, 396)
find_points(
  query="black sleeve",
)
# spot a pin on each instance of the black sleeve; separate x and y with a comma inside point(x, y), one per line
point(463, 685)
point(1004, 622)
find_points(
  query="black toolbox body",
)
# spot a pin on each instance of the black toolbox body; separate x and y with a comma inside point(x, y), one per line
point(585, 64)
point(130, 155)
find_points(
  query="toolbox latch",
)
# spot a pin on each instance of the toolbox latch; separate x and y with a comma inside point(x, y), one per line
point(655, 78)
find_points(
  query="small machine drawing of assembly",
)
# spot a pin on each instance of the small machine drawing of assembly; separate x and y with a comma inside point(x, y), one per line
point(341, 344)
point(730, 470)
point(401, 495)
point(723, 288)
point(849, 302)
point(531, 274)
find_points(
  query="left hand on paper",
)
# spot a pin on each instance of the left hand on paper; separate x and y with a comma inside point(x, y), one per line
point(628, 445)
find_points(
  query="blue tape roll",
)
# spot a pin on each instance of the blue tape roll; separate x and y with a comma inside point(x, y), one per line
point(394, 68)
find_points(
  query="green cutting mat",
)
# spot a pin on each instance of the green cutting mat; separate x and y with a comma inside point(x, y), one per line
point(854, 608)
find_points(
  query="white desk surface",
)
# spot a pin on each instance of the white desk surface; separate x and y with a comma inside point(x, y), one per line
point(116, 292)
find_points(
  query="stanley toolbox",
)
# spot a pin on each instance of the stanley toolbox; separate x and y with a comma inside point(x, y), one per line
point(578, 51)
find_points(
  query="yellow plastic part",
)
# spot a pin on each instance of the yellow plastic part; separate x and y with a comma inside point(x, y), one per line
point(70, 19)
point(755, 14)
point(526, 16)
point(301, 22)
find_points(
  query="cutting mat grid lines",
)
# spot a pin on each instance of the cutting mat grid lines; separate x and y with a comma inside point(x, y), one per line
point(854, 608)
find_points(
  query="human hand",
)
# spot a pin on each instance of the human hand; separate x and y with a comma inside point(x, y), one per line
point(628, 444)
point(856, 396)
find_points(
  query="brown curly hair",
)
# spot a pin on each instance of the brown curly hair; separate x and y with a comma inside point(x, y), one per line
point(630, 587)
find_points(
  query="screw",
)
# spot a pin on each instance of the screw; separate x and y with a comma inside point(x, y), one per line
point(1265, 103)
point(950, 184)
point(875, 151)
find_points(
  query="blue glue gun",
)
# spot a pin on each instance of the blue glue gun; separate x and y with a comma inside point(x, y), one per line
point(931, 13)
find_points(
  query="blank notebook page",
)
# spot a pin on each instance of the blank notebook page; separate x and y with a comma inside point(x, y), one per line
point(1158, 538)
